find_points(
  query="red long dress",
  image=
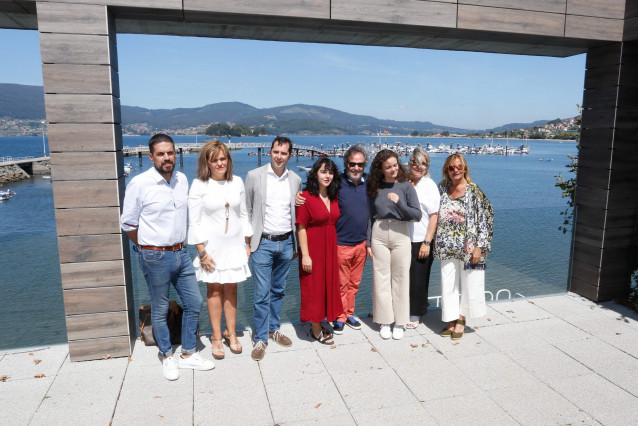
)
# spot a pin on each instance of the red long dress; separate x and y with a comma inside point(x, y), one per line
point(320, 290)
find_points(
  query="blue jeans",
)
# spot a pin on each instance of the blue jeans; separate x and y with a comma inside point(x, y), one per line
point(271, 263)
point(161, 269)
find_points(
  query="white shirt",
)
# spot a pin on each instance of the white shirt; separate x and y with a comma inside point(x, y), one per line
point(277, 217)
point(157, 209)
point(429, 200)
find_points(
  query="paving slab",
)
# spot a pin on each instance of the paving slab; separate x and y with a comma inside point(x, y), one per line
point(600, 399)
point(436, 380)
point(536, 403)
point(508, 337)
point(352, 358)
point(312, 399)
point(472, 409)
point(567, 305)
point(548, 363)
point(82, 398)
point(289, 366)
point(373, 389)
point(27, 364)
point(408, 351)
point(613, 330)
point(471, 344)
point(521, 310)
point(554, 330)
point(412, 413)
point(21, 399)
point(493, 371)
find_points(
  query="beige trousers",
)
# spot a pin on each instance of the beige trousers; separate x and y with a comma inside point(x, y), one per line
point(391, 247)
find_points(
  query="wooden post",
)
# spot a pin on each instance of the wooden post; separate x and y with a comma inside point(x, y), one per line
point(259, 156)
point(607, 181)
point(79, 67)
point(139, 156)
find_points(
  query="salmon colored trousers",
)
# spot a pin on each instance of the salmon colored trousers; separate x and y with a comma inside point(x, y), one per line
point(352, 259)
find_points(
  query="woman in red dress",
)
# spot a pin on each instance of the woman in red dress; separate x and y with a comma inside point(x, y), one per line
point(318, 266)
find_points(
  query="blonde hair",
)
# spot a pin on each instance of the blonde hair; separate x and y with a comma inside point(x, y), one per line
point(210, 151)
point(416, 156)
point(466, 169)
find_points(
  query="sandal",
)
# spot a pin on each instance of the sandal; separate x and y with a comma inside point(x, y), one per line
point(237, 348)
point(447, 332)
point(455, 335)
point(323, 338)
point(412, 324)
point(326, 332)
point(218, 353)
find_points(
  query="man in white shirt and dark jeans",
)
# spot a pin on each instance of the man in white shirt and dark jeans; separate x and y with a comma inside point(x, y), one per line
point(154, 218)
point(270, 197)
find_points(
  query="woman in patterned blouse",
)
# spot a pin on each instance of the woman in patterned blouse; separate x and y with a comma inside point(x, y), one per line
point(463, 239)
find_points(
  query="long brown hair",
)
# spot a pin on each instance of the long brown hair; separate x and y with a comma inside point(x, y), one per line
point(210, 151)
point(466, 169)
point(375, 177)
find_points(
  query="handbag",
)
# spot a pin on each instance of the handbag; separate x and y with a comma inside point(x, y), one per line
point(173, 321)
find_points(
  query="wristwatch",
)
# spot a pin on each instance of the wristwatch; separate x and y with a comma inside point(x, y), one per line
point(427, 243)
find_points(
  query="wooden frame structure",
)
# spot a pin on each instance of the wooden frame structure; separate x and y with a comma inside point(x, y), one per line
point(80, 72)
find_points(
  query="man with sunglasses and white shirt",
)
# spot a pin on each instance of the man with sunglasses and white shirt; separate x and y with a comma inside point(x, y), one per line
point(352, 226)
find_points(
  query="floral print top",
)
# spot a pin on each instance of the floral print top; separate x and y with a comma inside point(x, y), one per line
point(464, 223)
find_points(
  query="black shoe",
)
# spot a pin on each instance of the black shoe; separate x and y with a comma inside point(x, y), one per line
point(352, 322)
point(337, 326)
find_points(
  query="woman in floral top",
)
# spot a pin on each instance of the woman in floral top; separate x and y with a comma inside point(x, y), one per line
point(463, 239)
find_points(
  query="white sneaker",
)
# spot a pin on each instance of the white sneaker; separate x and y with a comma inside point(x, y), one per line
point(196, 362)
point(385, 331)
point(397, 332)
point(171, 370)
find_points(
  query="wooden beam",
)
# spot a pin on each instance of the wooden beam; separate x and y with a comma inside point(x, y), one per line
point(600, 8)
point(88, 221)
point(72, 18)
point(405, 12)
point(289, 8)
point(84, 350)
point(108, 273)
point(88, 193)
point(84, 137)
point(510, 20)
point(554, 6)
point(594, 28)
point(86, 166)
point(82, 108)
point(94, 300)
point(80, 79)
point(78, 49)
point(90, 326)
point(90, 248)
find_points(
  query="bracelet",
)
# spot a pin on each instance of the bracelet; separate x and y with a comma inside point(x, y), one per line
point(201, 254)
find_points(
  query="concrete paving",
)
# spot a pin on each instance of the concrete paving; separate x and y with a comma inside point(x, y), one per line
point(551, 360)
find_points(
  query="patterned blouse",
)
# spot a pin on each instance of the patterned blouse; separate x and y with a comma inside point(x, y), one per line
point(464, 223)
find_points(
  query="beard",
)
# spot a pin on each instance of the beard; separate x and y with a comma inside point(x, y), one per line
point(165, 168)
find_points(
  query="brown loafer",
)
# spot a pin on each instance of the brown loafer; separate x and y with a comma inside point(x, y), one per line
point(280, 338)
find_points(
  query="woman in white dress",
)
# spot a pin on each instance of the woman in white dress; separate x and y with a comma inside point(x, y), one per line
point(219, 228)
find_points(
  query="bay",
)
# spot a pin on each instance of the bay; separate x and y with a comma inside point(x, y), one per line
point(530, 256)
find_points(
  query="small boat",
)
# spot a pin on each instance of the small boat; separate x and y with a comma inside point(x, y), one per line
point(304, 168)
point(6, 195)
point(546, 159)
point(46, 177)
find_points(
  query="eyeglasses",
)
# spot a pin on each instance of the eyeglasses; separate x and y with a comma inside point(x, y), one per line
point(452, 168)
point(414, 163)
point(353, 164)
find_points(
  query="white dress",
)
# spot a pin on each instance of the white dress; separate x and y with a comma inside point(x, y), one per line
point(206, 224)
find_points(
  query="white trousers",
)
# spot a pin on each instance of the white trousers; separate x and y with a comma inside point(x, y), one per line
point(470, 282)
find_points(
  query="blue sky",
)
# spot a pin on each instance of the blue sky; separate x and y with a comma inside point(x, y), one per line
point(460, 89)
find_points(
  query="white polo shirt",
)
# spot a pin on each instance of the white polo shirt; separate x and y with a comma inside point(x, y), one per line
point(277, 217)
point(156, 208)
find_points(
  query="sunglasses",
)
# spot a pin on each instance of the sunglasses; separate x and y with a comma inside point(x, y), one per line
point(353, 164)
point(458, 167)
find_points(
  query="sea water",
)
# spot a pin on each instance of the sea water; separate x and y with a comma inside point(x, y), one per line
point(530, 255)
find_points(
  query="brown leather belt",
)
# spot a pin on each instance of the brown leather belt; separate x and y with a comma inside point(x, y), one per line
point(167, 248)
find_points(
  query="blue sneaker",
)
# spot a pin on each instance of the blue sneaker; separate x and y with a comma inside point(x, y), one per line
point(352, 322)
point(337, 326)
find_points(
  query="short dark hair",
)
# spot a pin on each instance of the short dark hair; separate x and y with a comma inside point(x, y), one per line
point(312, 182)
point(159, 138)
point(355, 148)
point(282, 140)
